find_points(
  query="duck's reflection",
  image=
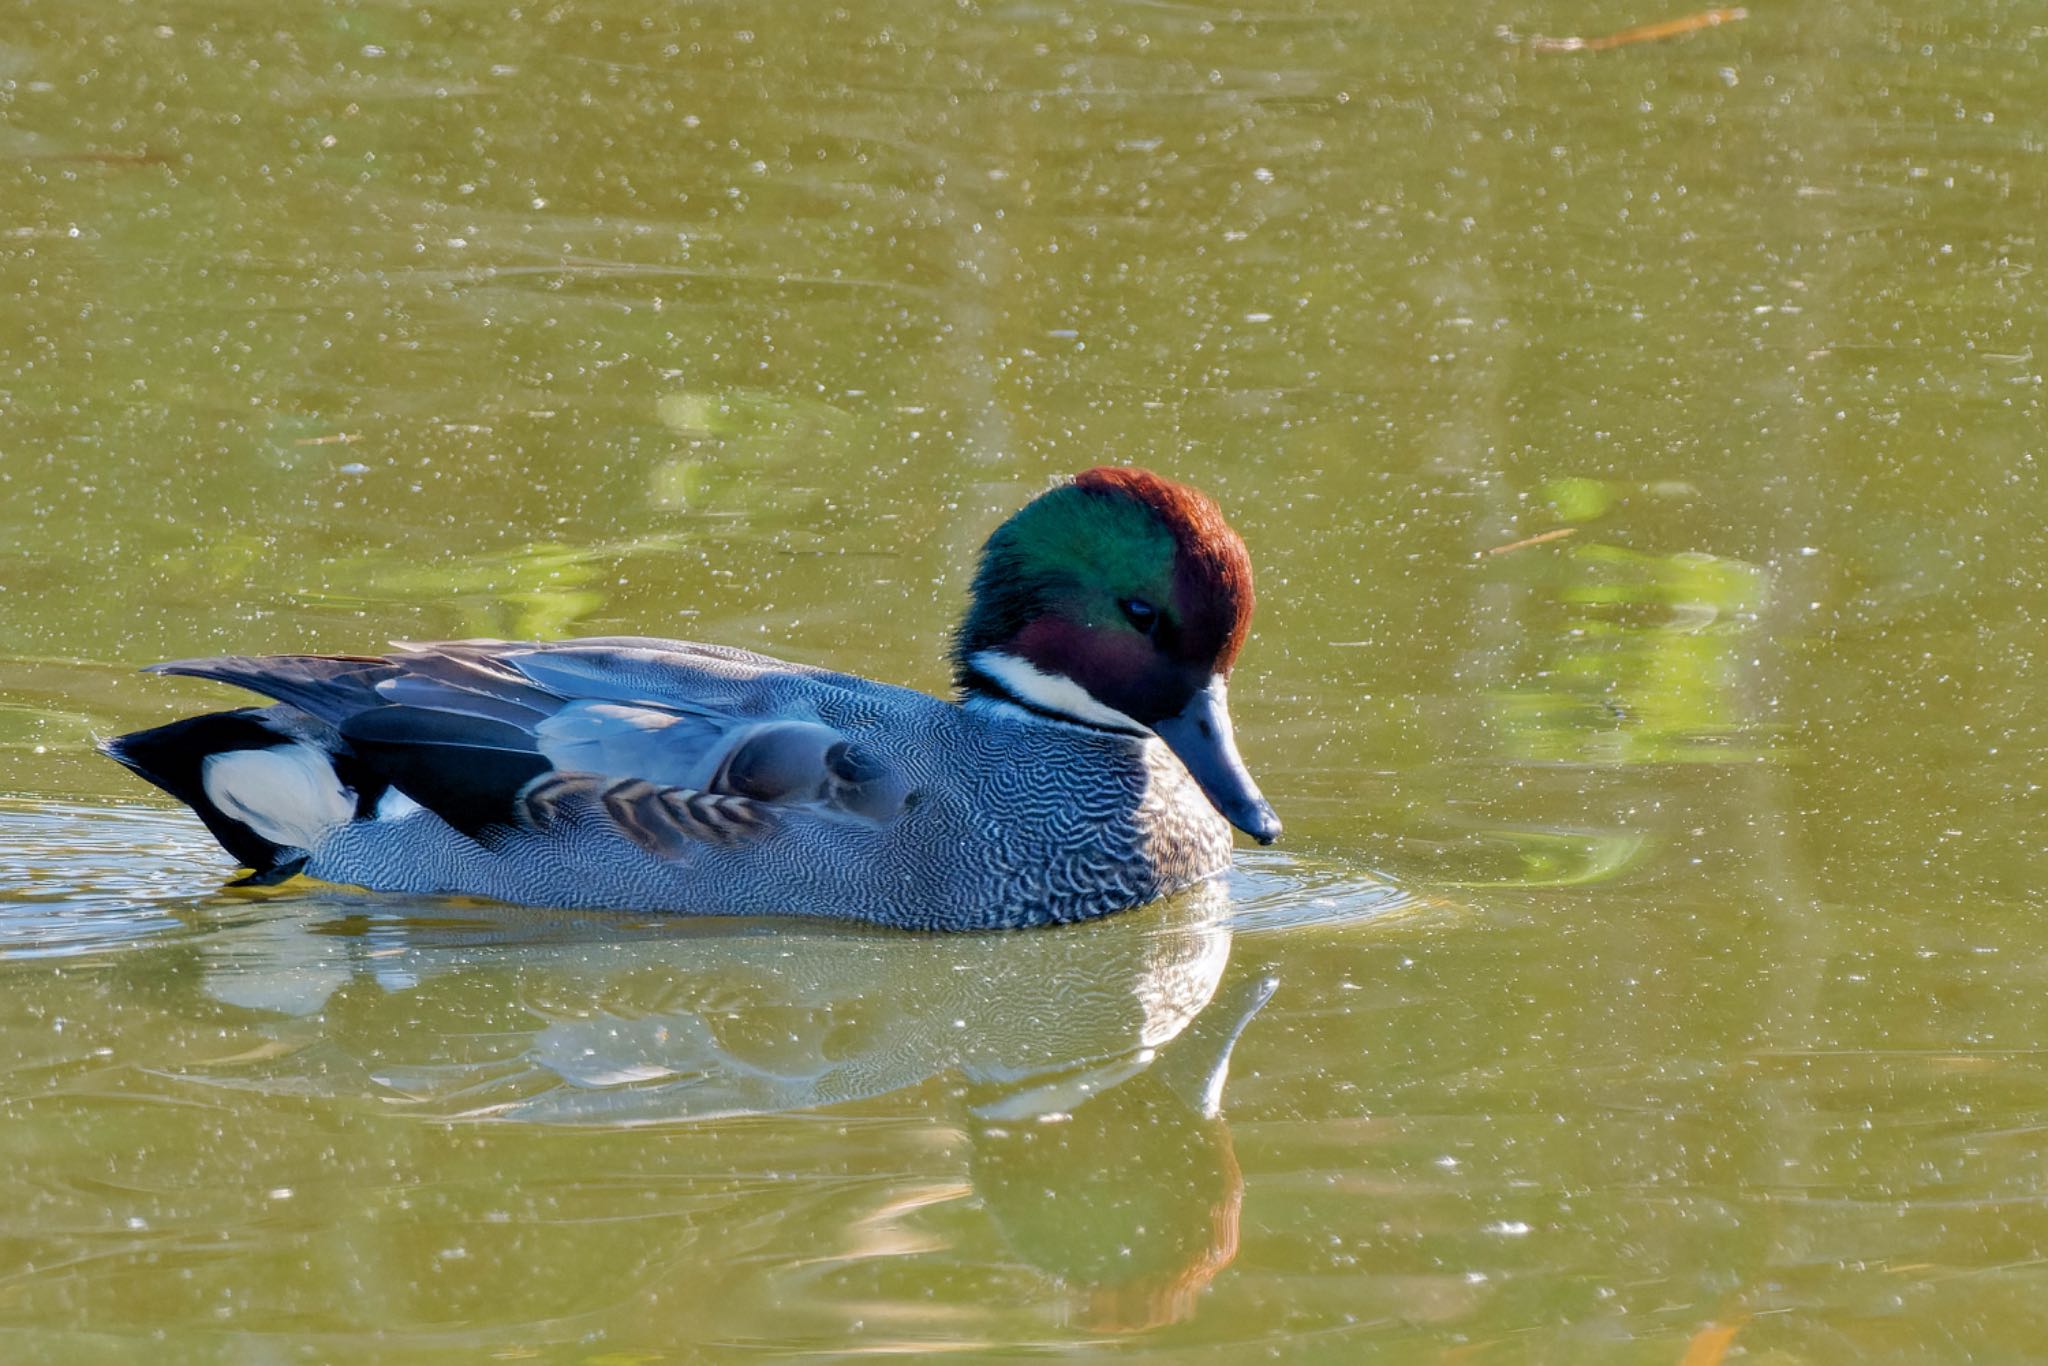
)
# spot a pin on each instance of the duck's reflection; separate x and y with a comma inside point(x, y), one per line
point(1084, 1066)
point(1132, 1197)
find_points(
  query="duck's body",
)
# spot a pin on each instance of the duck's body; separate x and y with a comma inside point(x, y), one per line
point(662, 775)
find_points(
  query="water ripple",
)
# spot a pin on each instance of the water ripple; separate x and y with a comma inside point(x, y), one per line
point(79, 879)
point(1273, 891)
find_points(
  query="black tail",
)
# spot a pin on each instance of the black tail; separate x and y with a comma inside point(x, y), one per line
point(174, 758)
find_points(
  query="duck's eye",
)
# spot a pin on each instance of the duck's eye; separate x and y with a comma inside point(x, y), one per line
point(1142, 615)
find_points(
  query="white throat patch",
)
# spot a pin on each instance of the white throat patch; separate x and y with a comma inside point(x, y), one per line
point(1054, 693)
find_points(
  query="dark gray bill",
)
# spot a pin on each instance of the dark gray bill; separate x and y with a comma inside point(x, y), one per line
point(1201, 736)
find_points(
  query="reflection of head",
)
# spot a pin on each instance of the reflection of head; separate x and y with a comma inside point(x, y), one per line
point(1133, 1201)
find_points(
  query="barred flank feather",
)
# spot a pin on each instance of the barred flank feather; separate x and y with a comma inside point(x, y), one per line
point(665, 820)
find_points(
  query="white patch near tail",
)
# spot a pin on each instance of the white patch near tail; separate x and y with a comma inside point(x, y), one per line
point(395, 806)
point(288, 794)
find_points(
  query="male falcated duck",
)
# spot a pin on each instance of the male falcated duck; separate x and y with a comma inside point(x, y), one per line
point(1088, 765)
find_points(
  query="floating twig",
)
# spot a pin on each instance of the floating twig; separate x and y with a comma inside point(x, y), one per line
point(1643, 33)
point(102, 158)
point(1556, 534)
point(1710, 1345)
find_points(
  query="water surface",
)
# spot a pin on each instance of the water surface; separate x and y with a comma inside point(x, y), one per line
point(1654, 963)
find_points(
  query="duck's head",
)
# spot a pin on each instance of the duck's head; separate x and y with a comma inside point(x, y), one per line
point(1119, 600)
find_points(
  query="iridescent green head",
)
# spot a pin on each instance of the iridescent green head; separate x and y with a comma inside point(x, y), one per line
point(1120, 600)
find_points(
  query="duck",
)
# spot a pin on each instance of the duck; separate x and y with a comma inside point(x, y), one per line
point(1086, 763)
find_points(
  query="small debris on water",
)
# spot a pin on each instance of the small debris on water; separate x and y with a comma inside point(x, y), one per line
point(1557, 534)
point(1642, 33)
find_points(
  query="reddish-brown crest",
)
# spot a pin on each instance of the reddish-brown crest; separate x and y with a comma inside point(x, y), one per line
point(1212, 585)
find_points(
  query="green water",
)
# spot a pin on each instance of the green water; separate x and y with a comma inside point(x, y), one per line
point(1657, 961)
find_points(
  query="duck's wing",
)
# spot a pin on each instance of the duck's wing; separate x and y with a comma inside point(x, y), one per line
point(669, 742)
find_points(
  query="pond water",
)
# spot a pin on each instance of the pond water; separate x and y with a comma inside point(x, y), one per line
point(1641, 451)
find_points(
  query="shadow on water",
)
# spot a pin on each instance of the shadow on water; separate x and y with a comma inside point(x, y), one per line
point(1079, 1070)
